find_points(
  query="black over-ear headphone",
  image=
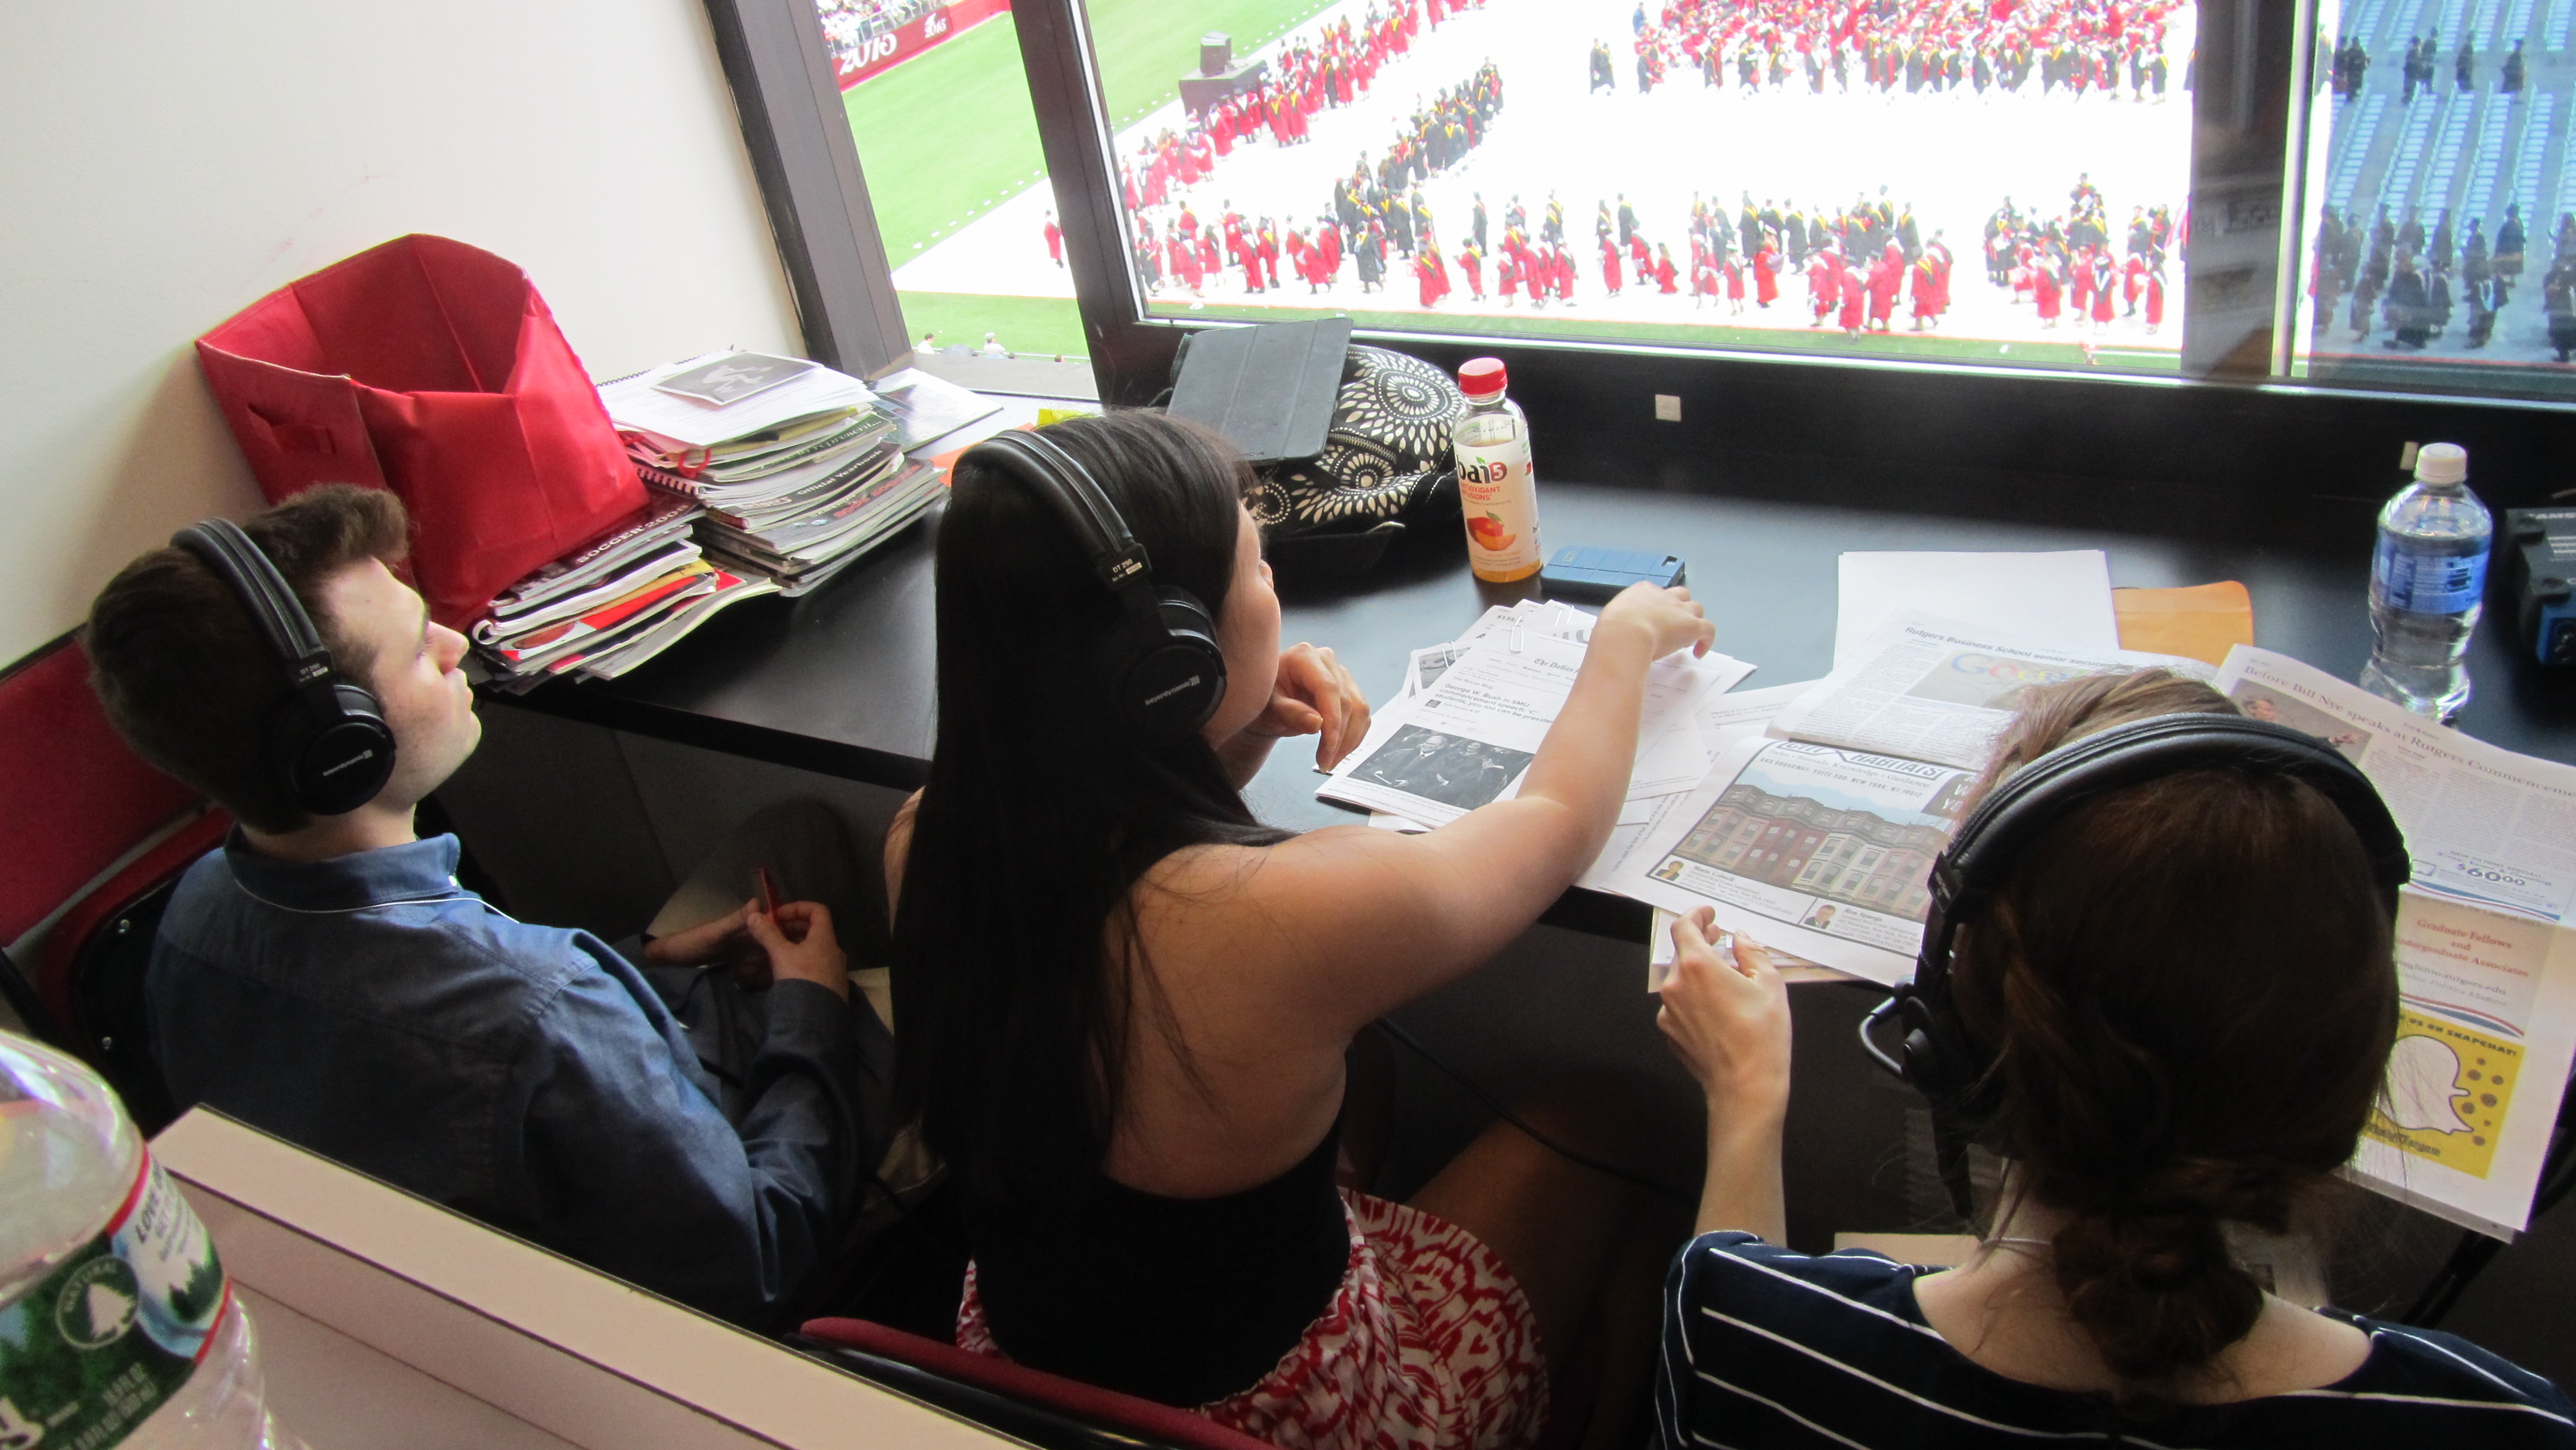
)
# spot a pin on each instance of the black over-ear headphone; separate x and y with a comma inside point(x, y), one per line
point(1940, 1057)
point(330, 742)
point(1168, 673)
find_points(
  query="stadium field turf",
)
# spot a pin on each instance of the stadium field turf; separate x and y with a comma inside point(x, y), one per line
point(949, 134)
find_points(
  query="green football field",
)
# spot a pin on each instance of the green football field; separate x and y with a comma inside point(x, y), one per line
point(948, 135)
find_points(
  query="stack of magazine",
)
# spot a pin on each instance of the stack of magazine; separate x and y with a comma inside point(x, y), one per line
point(797, 469)
point(610, 605)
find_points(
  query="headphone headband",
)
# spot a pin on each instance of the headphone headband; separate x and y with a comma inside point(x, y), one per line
point(264, 593)
point(1170, 672)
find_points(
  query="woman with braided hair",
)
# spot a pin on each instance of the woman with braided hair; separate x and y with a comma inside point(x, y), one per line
point(2184, 994)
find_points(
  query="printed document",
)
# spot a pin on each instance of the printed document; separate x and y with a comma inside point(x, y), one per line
point(1938, 690)
point(1468, 736)
point(2486, 956)
point(2058, 598)
point(1817, 833)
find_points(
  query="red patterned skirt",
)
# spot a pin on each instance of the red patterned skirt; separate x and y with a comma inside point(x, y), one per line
point(1428, 1344)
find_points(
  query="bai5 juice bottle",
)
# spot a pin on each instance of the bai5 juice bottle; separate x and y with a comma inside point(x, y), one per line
point(1495, 488)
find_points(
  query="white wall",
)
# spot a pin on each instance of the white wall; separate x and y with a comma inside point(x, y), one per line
point(168, 162)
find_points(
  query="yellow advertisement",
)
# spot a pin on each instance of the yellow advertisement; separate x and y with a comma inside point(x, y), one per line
point(2448, 1092)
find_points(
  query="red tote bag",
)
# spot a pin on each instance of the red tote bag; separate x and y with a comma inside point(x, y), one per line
point(434, 369)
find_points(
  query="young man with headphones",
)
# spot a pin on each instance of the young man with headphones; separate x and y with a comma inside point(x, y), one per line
point(2156, 981)
point(323, 977)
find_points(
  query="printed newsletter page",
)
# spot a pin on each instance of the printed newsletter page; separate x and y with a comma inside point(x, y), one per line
point(1465, 741)
point(1818, 850)
point(2484, 825)
point(1932, 690)
point(2486, 965)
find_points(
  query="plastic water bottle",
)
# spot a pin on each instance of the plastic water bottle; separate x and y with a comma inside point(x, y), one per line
point(2427, 583)
point(117, 1324)
point(1496, 490)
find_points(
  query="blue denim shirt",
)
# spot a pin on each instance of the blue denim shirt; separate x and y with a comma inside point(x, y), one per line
point(372, 1010)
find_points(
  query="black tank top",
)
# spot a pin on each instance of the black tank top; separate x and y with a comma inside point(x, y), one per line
point(1179, 1300)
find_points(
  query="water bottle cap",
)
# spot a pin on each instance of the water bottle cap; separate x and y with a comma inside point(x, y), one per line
point(2442, 463)
point(1481, 377)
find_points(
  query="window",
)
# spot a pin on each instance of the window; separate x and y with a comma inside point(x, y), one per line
point(2443, 198)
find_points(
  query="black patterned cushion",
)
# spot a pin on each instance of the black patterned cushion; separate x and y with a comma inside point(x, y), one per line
point(1386, 466)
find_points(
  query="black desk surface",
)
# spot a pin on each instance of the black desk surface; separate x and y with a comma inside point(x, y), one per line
point(841, 680)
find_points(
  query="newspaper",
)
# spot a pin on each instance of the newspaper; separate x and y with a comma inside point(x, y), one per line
point(1934, 690)
point(1817, 834)
point(1466, 739)
point(2486, 956)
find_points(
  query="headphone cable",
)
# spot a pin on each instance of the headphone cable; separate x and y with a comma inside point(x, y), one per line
point(1495, 1106)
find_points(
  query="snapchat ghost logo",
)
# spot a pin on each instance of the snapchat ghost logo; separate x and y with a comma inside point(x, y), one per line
point(2424, 1091)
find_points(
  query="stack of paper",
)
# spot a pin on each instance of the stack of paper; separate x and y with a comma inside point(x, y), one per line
point(797, 467)
point(611, 604)
point(1472, 712)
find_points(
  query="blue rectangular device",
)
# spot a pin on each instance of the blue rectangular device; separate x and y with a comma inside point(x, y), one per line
point(1582, 572)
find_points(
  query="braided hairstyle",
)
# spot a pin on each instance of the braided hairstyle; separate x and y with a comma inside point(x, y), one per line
point(2188, 992)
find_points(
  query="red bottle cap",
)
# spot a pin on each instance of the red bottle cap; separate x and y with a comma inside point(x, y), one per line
point(1481, 377)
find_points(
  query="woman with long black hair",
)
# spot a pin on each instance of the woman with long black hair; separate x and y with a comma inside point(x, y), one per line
point(1125, 1004)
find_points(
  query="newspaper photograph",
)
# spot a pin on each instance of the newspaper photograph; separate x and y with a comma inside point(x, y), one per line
point(1932, 690)
point(1820, 851)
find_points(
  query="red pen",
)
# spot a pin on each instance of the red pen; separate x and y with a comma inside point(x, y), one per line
point(768, 890)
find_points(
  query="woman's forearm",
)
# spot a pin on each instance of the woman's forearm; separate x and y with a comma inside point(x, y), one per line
point(1743, 1188)
point(1584, 762)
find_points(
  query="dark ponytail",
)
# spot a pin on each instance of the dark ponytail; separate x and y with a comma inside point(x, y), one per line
point(2190, 997)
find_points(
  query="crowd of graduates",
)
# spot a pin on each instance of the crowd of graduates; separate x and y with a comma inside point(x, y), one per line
point(2081, 46)
point(1378, 217)
point(2420, 69)
point(1334, 67)
point(2071, 268)
point(2413, 280)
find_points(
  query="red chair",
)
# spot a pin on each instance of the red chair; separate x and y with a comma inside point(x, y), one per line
point(96, 837)
point(1038, 1407)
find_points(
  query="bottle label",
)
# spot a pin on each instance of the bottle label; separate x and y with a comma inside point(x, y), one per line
point(1500, 499)
point(2424, 582)
point(89, 1353)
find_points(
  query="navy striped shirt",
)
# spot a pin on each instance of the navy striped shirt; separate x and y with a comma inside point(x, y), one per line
point(1764, 1348)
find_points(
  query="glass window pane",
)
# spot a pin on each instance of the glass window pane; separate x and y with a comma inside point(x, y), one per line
point(2439, 201)
point(1778, 175)
point(939, 106)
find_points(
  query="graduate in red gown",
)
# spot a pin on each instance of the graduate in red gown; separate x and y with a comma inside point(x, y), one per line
point(1054, 240)
point(1268, 252)
point(1924, 282)
point(1638, 255)
point(1209, 262)
point(1331, 246)
point(1766, 274)
point(2155, 296)
point(1664, 276)
point(1886, 274)
point(1472, 262)
point(1824, 283)
point(1426, 276)
point(2044, 291)
point(2133, 283)
point(1855, 300)
point(2103, 284)
point(2079, 285)
point(1610, 266)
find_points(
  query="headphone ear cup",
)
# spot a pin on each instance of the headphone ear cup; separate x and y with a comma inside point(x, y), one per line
point(1174, 683)
point(336, 757)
